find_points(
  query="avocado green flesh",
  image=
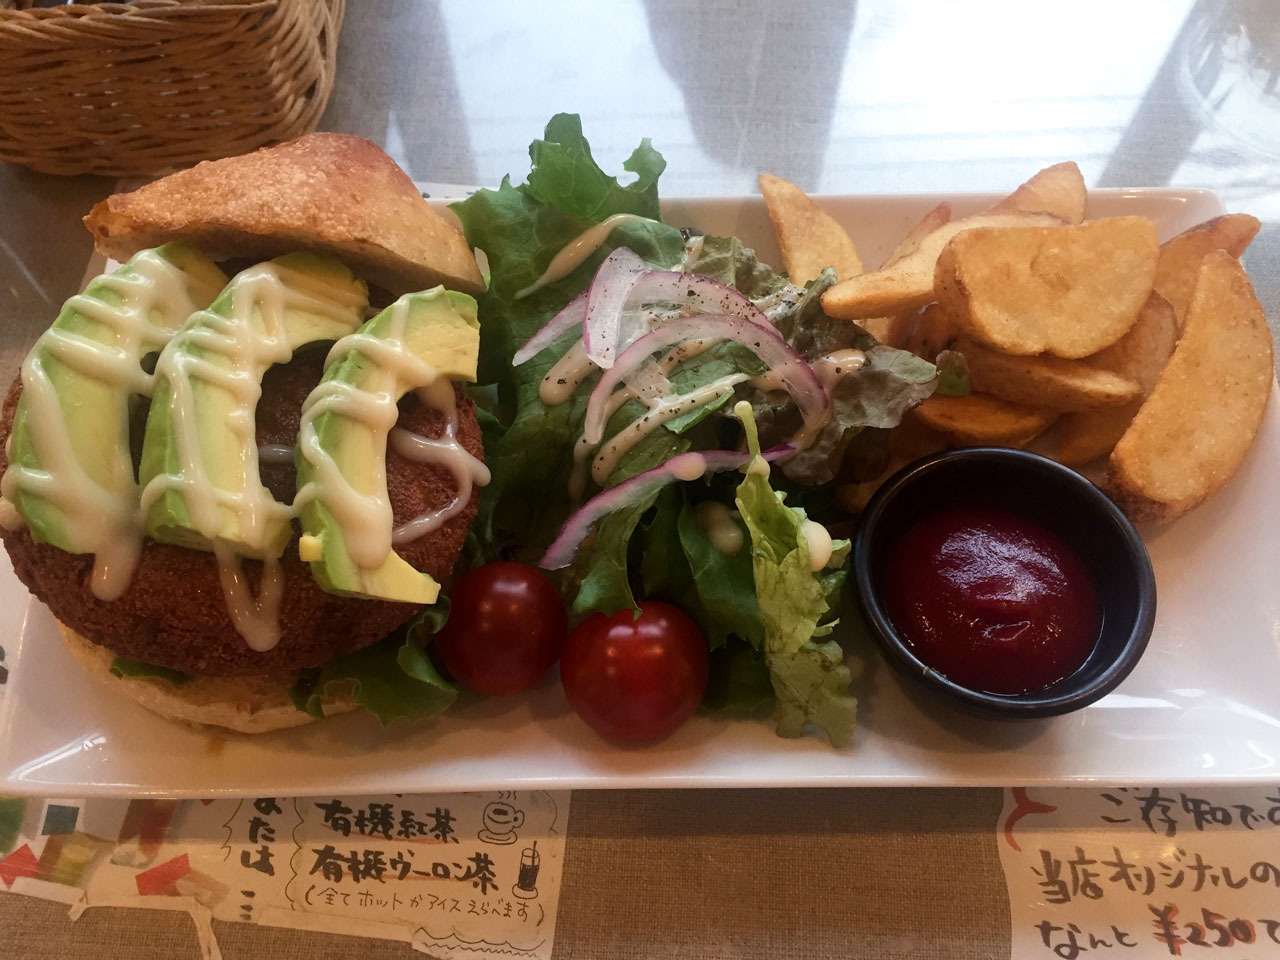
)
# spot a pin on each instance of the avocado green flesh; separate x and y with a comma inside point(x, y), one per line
point(227, 455)
point(441, 330)
point(96, 411)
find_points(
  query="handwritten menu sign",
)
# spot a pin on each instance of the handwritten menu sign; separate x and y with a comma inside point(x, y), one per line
point(472, 875)
point(1142, 872)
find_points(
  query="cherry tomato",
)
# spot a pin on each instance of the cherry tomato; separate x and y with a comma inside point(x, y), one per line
point(506, 627)
point(635, 679)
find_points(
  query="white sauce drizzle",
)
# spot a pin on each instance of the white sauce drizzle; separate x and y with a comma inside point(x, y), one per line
point(574, 253)
point(468, 472)
point(10, 518)
point(563, 378)
point(659, 412)
point(653, 390)
point(830, 368)
point(721, 529)
point(230, 355)
point(652, 386)
point(820, 545)
point(98, 518)
point(692, 251)
point(366, 517)
point(689, 467)
point(257, 619)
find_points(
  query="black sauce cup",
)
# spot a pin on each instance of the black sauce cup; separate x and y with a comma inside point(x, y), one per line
point(1059, 499)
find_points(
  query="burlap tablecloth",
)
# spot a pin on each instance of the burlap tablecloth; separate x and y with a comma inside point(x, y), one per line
point(743, 874)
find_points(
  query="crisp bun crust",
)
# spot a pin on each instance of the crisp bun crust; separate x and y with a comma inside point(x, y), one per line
point(324, 191)
point(242, 704)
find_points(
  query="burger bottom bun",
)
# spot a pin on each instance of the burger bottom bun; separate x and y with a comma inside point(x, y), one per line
point(242, 704)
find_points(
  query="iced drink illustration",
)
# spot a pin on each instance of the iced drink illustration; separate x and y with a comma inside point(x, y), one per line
point(527, 881)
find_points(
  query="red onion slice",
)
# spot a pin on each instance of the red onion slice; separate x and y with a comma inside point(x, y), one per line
point(570, 316)
point(698, 292)
point(796, 375)
point(685, 466)
point(602, 332)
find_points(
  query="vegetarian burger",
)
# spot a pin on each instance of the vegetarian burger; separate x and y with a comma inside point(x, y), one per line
point(223, 468)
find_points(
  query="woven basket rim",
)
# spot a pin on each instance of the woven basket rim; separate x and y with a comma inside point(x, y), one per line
point(144, 87)
point(135, 10)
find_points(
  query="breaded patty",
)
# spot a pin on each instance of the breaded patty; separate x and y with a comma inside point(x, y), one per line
point(173, 614)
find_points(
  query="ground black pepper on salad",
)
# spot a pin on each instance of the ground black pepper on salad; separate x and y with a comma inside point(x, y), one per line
point(705, 396)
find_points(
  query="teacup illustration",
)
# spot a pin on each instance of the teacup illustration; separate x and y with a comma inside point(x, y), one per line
point(501, 820)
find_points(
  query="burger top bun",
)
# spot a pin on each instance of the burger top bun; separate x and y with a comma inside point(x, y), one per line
point(324, 191)
point(243, 704)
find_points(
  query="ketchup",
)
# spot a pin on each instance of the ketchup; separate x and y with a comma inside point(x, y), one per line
point(991, 600)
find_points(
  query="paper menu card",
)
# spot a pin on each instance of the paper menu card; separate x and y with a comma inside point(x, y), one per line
point(474, 875)
point(1142, 872)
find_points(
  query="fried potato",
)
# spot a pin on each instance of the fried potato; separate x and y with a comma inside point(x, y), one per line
point(913, 439)
point(1140, 355)
point(1065, 290)
point(908, 283)
point(810, 238)
point(935, 218)
point(909, 440)
point(1044, 381)
point(1058, 190)
point(1192, 433)
point(979, 419)
point(854, 497)
point(884, 329)
point(929, 333)
point(1179, 262)
point(897, 329)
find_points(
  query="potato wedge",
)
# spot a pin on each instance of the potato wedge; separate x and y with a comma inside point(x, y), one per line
point(909, 244)
point(1058, 190)
point(810, 238)
point(1140, 355)
point(1194, 429)
point(897, 329)
point(884, 329)
point(1044, 381)
point(1065, 290)
point(913, 439)
point(979, 419)
point(1179, 262)
point(908, 283)
point(930, 332)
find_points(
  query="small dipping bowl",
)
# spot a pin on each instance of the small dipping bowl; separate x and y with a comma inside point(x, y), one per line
point(1042, 491)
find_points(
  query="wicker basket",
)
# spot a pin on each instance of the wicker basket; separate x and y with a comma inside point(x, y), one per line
point(143, 87)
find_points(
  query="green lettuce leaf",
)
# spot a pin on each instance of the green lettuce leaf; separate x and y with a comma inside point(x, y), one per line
point(729, 261)
point(565, 174)
point(606, 588)
point(953, 374)
point(724, 584)
point(394, 679)
point(124, 667)
point(875, 395)
point(738, 680)
point(521, 228)
point(810, 680)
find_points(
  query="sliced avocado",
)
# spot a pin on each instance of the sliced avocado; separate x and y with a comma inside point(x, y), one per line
point(200, 450)
point(93, 400)
point(439, 328)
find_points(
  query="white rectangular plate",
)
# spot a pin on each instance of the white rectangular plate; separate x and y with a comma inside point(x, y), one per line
point(1203, 705)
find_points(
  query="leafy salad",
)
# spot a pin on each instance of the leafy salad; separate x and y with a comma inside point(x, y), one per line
point(737, 366)
point(664, 421)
